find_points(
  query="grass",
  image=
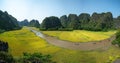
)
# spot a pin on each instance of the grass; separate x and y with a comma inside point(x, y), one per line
point(80, 35)
point(25, 41)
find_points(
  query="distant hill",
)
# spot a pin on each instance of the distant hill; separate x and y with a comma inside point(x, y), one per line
point(23, 23)
point(32, 23)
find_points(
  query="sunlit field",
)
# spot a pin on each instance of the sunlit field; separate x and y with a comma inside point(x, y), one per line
point(80, 35)
point(25, 41)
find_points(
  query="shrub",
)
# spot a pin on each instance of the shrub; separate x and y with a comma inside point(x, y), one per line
point(3, 46)
point(117, 40)
point(1, 31)
point(6, 58)
point(35, 58)
point(65, 29)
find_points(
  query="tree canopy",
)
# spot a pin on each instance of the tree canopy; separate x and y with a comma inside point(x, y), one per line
point(51, 23)
point(3, 46)
point(64, 20)
point(95, 22)
point(84, 19)
point(24, 23)
point(6, 58)
point(36, 58)
point(117, 40)
point(73, 21)
point(34, 23)
point(8, 22)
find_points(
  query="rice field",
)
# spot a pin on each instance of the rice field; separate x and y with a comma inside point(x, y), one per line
point(80, 35)
point(25, 41)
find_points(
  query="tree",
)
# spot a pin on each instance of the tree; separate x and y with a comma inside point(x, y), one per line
point(96, 22)
point(34, 23)
point(6, 58)
point(101, 22)
point(24, 23)
point(3, 46)
point(73, 21)
point(51, 23)
point(117, 40)
point(107, 21)
point(36, 58)
point(8, 22)
point(64, 21)
point(117, 22)
point(84, 19)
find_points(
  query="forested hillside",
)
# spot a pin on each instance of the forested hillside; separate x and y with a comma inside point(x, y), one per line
point(95, 22)
point(7, 22)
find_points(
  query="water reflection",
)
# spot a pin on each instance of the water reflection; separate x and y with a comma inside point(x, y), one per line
point(38, 33)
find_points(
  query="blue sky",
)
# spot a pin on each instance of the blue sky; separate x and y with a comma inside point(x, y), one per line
point(39, 9)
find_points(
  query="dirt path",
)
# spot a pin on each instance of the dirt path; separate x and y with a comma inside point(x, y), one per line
point(101, 45)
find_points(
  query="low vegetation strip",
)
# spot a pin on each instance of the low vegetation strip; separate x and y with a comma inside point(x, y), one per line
point(80, 35)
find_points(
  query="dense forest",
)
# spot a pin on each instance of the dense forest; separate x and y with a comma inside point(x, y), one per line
point(95, 22)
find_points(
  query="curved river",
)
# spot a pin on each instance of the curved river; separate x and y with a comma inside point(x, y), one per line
point(103, 44)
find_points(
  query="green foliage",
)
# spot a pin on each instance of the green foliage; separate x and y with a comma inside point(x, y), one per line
point(101, 22)
point(8, 22)
point(117, 40)
point(24, 23)
point(51, 23)
point(3, 46)
point(73, 21)
point(65, 29)
point(22, 42)
point(6, 58)
point(96, 22)
point(34, 23)
point(36, 58)
point(1, 31)
point(64, 20)
point(84, 19)
point(117, 22)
